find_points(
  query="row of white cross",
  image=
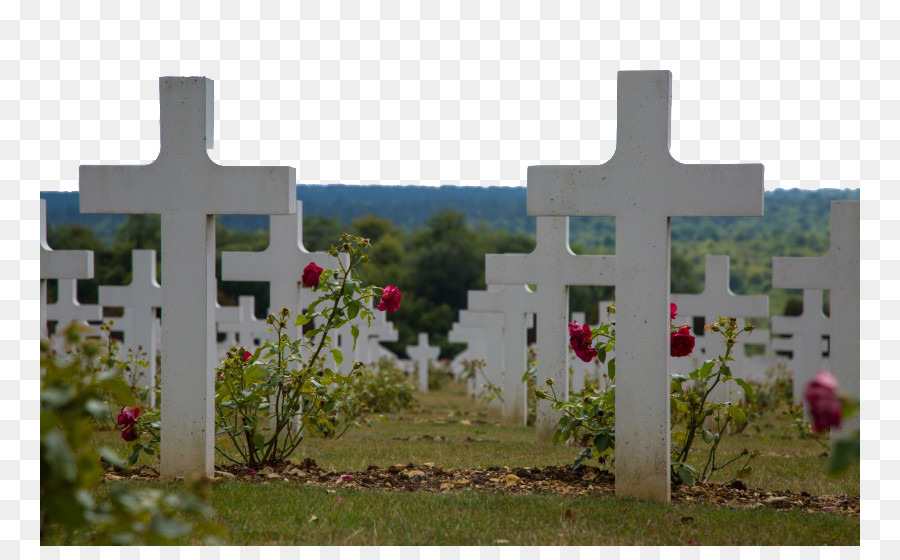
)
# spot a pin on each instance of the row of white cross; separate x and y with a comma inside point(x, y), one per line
point(642, 185)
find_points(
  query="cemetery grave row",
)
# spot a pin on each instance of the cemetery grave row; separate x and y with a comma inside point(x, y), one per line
point(642, 186)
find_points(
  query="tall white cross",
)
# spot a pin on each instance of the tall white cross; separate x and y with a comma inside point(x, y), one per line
point(483, 333)
point(187, 189)
point(807, 331)
point(515, 303)
point(838, 272)
point(643, 186)
point(68, 309)
point(553, 267)
point(226, 315)
point(423, 354)
point(143, 296)
point(60, 265)
point(250, 331)
point(280, 264)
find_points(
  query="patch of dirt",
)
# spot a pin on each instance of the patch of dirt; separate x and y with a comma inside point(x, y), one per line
point(562, 480)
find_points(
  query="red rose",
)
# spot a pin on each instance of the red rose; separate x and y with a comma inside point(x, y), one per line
point(580, 341)
point(824, 404)
point(311, 273)
point(129, 433)
point(247, 355)
point(128, 416)
point(390, 299)
point(673, 310)
point(681, 342)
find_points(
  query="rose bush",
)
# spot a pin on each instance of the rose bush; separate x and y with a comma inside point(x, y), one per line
point(588, 417)
point(267, 399)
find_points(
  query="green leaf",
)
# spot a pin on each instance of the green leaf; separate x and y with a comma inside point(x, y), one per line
point(302, 320)
point(338, 357)
point(685, 475)
point(603, 442)
point(748, 389)
point(612, 369)
point(745, 472)
point(352, 310)
point(740, 417)
point(258, 441)
point(601, 353)
point(110, 457)
point(354, 330)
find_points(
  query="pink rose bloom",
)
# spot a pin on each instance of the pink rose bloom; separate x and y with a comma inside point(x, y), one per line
point(129, 433)
point(824, 404)
point(580, 341)
point(346, 477)
point(673, 310)
point(311, 273)
point(681, 342)
point(247, 355)
point(390, 299)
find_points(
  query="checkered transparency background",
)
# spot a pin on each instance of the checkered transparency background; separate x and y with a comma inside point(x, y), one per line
point(442, 93)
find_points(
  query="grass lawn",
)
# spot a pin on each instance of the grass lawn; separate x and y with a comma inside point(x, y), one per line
point(452, 432)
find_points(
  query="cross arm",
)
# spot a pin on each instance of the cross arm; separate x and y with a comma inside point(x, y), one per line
point(801, 272)
point(66, 264)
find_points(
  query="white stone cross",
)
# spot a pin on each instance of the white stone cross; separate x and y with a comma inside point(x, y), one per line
point(423, 354)
point(483, 333)
point(838, 272)
point(807, 331)
point(143, 296)
point(187, 189)
point(60, 265)
point(553, 267)
point(370, 336)
point(250, 330)
point(515, 303)
point(280, 264)
point(716, 299)
point(67, 309)
point(643, 186)
point(227, 315)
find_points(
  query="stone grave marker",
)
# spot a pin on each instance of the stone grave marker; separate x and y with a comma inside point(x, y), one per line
point(806, 343)
point(716, 299)
point(250, 331)
point(280, 265)
point(423, 354)
point(515, 303)
point(226, 315)
point(483, 333)
point(370, 336)
point(552, 267)
point(187, 189)
point(140, 298)
point(60, 265)
point(643, 186)
point(838, 272)
point(68, 309)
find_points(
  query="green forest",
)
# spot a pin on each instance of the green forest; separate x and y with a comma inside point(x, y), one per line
point(431, 243)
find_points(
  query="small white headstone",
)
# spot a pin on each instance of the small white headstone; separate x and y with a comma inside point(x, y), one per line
point(515, 303)
point(483, 333)
point(250, 332)
point(423, 354)
point(280, 264)
point(59, 265)
point(716, 299)
point(370, 336)
point(806, 331)
point(553, 267)
point(141, 298)
point(837, 271)
point(67, 309)
point(642, 185)
point(187, 189)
